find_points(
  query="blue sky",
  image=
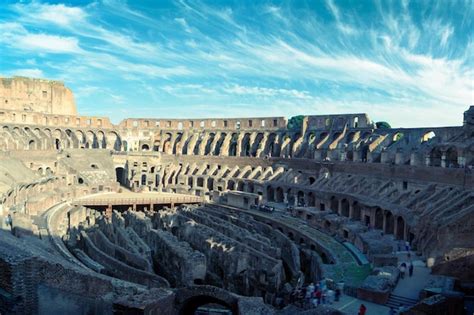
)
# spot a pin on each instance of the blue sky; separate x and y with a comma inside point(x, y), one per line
point(406, 62)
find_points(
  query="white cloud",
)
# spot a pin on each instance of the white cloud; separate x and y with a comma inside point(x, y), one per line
point(15, 35)
point(47, 43)
point(184, 24)
point(266, 92)
point(54, 13)
point(32, 73)
point(445, 35)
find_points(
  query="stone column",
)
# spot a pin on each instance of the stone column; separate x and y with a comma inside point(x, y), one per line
point(351, 210)
point(443, 160)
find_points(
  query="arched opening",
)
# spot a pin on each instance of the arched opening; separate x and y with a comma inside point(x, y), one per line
point(167, 147)
point(210, 183)
point(145, 147)
point(143, 180)
point(365, 153)
point(397, 137)
point(256, 144)
point(350, 137)
point(156, 145)
point(428, 136)
point(230, 185)
point(334, 204)
point(452, 157)
point(279, 194)
point(389, 223)
point(246, 145)
point(233, 145)
point(200, 182)
point(356, 211)
point(207, 149)
point(270, 193)
point(58, 144)
point(120, 175)
point(400, 228)
point(31, 145)
point(435, 157)
point(356, 122)
point(345, 208)
point(301, 201)
point(378, 219)
point(311, 200)
point(204, 304)
point(217, 149)
point(271, 144)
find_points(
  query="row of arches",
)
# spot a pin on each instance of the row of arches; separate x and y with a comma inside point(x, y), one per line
point(377, 218)
point(29, 138)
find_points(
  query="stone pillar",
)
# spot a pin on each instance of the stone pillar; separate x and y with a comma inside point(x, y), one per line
point(427, 161)
point(351, 210)
point(443, 160)
point(344, 156)
point(372, 218)
point(395, 227)
point(399, 158)
point(405, 232)
point(356, 156)
point(413, 159)
point(285, 197)
point(317, 155)
point(134, 207)
point(339, 207)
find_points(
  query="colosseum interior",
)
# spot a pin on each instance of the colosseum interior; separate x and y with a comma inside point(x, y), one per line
point(228, 216)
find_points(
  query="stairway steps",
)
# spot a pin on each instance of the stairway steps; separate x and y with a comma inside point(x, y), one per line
point(397, 301)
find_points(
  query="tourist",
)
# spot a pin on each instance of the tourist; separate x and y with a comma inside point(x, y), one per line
point(362, 309)
point(318, 295)
point(407, 246)
point(403, 268)
point(410, 269)
point(310, 291)
point(9, 221)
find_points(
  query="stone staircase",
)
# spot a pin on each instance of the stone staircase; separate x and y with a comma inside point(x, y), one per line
point(396, 301)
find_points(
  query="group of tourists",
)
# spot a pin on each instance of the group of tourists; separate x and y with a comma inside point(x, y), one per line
point(315, 294)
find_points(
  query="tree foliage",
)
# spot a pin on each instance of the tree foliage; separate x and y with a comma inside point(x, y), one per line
point(383, 125)
point(295, 122)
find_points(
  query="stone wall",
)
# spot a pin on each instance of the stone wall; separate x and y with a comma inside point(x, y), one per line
point(36, 95)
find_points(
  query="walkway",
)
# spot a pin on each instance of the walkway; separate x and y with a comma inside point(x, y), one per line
point(132, 198)
point(410, 287)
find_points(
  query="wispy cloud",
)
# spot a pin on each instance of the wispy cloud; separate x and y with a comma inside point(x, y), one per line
point(32, 73)
point(238, 59)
